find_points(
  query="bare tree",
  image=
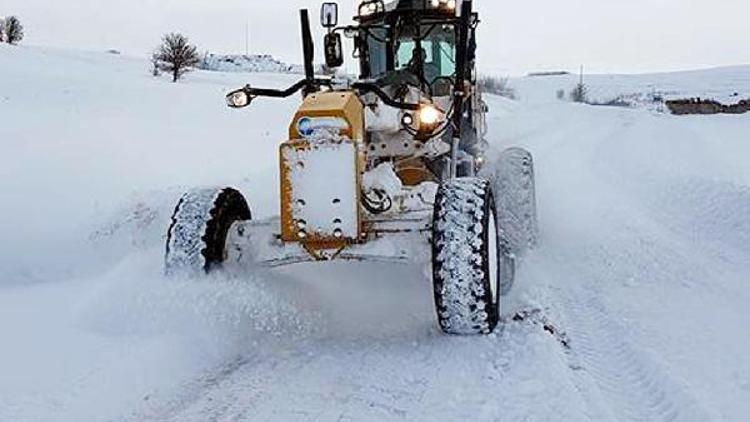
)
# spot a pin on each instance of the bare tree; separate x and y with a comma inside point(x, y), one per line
point(176, 56)
point(2, 29)
point(13, 30)
point(580, 94)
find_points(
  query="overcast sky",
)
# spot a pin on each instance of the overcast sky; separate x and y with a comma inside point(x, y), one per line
point(516, 36)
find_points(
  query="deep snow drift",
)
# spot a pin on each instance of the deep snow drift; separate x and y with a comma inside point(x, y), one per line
point(641, 273)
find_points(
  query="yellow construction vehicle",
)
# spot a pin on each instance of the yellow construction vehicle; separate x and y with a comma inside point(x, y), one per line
point(392, 166)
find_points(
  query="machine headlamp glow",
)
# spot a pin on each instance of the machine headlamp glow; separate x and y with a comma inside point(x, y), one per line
point(429, 115)
point(449, 4)
point(370, 7)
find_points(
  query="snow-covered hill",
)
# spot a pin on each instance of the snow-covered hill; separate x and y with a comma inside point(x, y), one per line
point(726, 84)
point(642, 269)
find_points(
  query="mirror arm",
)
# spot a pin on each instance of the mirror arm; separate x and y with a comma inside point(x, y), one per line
point(283, 93)
point(318, 82)
point(274, 93)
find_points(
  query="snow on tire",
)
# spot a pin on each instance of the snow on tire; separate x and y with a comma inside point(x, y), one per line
point(196, 240)
point(466, 290)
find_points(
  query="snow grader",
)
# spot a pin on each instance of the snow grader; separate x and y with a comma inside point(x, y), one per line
point(390, 166)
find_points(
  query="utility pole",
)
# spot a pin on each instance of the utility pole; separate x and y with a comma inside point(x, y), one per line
point(247, 38)
point(581, 78)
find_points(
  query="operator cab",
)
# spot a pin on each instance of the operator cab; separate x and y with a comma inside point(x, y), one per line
point(409, 42)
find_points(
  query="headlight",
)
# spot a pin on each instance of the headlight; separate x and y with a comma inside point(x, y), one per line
point(448, 4)
point(429, 115)
point(369, 7)
point(238, 99)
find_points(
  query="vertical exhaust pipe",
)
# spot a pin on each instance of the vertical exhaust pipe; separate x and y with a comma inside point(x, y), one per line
point(459, 100)
point(308, 50)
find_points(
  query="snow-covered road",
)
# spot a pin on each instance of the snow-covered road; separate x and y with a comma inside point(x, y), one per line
point(635, 304)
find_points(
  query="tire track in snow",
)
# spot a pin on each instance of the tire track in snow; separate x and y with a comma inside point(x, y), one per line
point(335, 384)
point(594, 238)
point(430, 379)
point(634, 388)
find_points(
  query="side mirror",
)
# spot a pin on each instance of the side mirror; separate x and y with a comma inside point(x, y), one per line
point(329, 15)
point(333, 50)
point(238, 99)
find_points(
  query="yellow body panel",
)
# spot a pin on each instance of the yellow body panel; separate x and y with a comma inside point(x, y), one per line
point(341, 105)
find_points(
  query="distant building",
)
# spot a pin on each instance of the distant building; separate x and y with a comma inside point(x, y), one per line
point(550, 73)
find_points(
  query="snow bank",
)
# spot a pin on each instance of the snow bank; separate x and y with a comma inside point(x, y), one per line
point(77, 144)
point(253, 63)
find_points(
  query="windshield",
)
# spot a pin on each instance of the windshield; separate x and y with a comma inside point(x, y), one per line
point(436, 44)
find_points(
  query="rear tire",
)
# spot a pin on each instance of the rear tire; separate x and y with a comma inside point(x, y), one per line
point(196, 240)
point(466, 292)
point(515, 193)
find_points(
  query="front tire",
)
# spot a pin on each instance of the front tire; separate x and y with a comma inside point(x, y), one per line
point(196, 240)
point(467, 257)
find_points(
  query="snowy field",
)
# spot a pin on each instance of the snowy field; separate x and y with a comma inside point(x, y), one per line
point(727, 85)
point(642, 270)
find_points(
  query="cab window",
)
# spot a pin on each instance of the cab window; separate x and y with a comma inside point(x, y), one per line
point(438, 49)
